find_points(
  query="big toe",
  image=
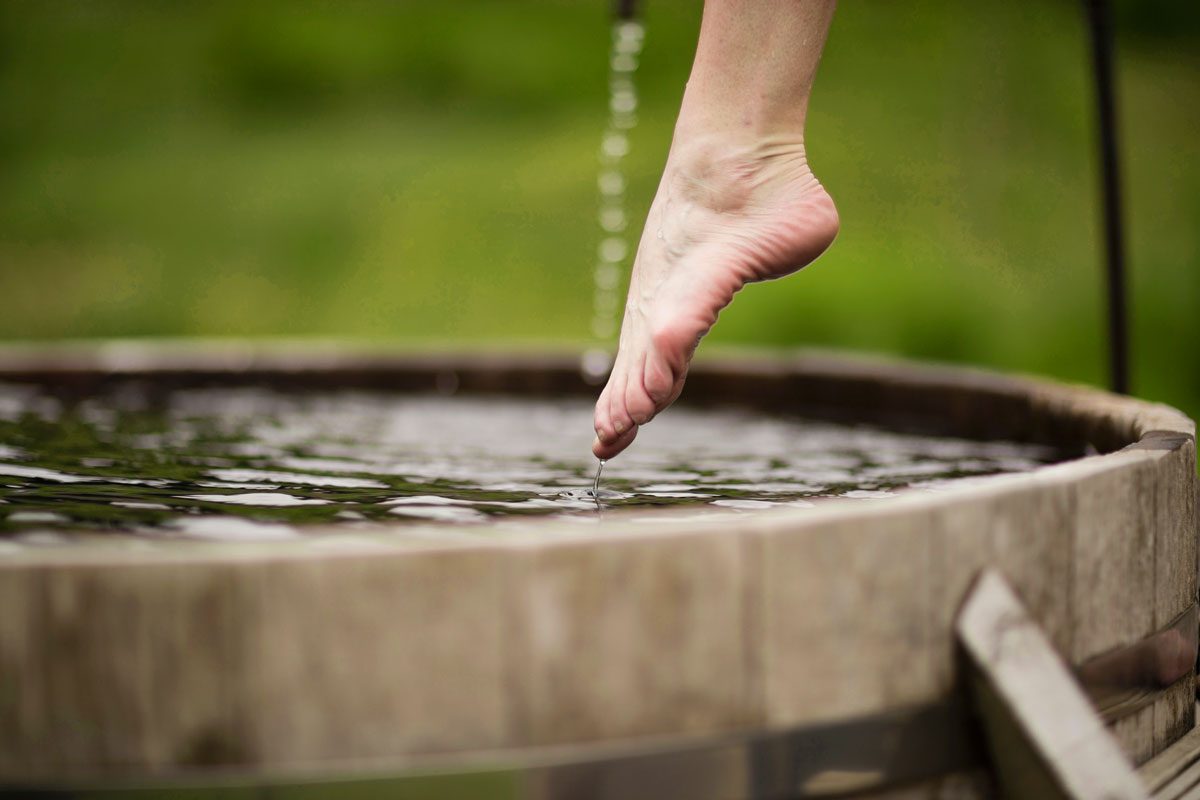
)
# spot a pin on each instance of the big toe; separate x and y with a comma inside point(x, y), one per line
point(611, 419)
point(602, 419)
point(606, 450)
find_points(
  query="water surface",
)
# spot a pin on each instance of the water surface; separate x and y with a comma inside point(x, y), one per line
point(252, 463)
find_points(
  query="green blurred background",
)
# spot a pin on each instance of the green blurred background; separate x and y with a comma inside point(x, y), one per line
point(424, 172)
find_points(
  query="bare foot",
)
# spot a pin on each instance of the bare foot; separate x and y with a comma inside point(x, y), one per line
point(725, 215)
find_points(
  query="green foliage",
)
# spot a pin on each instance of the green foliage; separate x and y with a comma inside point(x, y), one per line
point(426, 171)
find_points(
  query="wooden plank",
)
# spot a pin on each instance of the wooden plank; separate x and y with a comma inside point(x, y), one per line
point(1113, 592)
point(1045, 738)
point(1172, 488)
point(1135, 732)
point(25, 730)
point(1174, 493)
point(1170, 763)
point(1174, 713)
point(847, 621)
point(637, 636)
point(1182, 784)
point(356, 657)
point(1024, 531)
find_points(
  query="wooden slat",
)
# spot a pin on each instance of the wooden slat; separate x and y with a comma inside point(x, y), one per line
point(1181, 784)
point(1172, 762)
point(840, 609)
point(1046, 739)
point(1174, 493)
point(1113, 590)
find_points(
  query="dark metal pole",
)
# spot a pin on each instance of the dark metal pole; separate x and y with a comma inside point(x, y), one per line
point(1099, 17)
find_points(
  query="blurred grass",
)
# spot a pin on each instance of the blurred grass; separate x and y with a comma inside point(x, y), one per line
point(427, 172)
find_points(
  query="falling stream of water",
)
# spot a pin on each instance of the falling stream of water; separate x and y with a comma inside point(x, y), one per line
point(614, 252)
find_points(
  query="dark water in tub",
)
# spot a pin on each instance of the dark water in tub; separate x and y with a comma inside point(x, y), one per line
point(251, 463)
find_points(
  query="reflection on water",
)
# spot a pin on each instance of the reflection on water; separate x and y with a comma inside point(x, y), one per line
point(255, 464)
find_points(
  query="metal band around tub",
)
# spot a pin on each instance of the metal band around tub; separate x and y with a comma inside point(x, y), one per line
point(824, 760)
point(1129, 678)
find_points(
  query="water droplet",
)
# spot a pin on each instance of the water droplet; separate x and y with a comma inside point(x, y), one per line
point(607, 277)
point(612, 183)
point(612, 220)
point(613, 249)
point(624, 121)
point(616, 144)
point(630, 29)
point(623, 102)
point(624, 62)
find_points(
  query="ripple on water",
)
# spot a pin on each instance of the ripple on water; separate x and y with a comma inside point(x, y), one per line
point(276, 499)
point(231, 529)
point(441, 513)
point(241, 476)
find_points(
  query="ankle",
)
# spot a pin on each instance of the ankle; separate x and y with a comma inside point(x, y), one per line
point(751, 109)
point(722, 170)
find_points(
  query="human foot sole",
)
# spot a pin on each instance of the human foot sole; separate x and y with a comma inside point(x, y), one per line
point(723, 217)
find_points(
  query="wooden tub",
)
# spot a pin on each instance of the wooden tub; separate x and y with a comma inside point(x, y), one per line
point(807, 651)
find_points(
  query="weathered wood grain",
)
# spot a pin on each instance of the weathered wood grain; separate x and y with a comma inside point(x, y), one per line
point(847, 617)
point(367, 657)
point(1024, 528)
point(641, 636)
point(1172, 487)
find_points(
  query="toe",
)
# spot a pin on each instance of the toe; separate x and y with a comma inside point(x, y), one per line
point(603, 450)
point(659, 380)
point(617, 412)
point(638, 402)
point(602, 419)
